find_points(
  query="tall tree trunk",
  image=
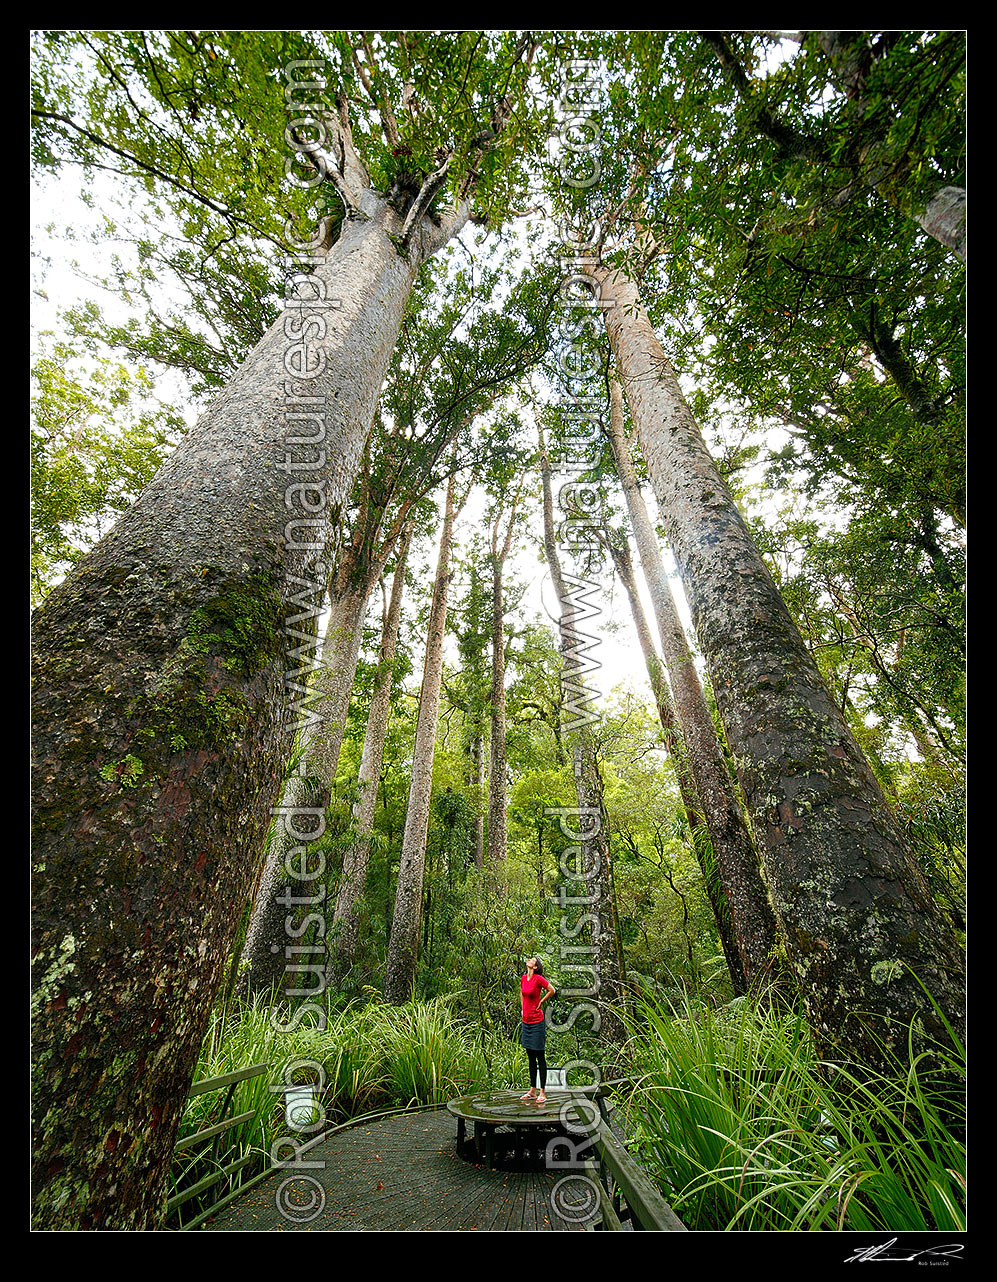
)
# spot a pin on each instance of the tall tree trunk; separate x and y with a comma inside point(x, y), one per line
point(346, 916)
point(497, 830)
point(309, 787)
point(497, 791)
point(591, 824)
point(477, 781)
point(699, 833)
point(161, 727)
point(736, 860)
point(267, 937)
point(403, 946)
point(862, 929)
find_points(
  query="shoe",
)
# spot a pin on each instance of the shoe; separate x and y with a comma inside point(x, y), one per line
point(528, 1098)
point(541, 1098)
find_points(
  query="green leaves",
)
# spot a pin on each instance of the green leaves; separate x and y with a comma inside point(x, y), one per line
point(97, 437)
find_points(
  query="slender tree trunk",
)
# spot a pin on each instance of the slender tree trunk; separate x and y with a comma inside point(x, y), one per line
point(477, 782)
point(862, 929)
point(497, 790)
point(267, 937)
point(403, 946)
point(592, 821)
point(734, 854)
point(310, 786)
point(699, 833)
point(161, 732)
point(346, 916)
point(497, 830)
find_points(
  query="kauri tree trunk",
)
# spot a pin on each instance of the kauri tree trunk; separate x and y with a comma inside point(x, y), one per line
point(161, 731)
point(862, 930)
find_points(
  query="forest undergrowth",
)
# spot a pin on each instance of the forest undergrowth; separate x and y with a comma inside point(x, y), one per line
point(744, 1128)
point(728, 1108)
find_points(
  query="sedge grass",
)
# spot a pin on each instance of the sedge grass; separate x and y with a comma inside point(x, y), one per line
point(746, 1130)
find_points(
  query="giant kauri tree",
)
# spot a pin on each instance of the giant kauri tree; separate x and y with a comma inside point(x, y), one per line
point(160, 715)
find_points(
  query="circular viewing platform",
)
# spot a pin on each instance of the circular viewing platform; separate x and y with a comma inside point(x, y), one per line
point(503, 1122)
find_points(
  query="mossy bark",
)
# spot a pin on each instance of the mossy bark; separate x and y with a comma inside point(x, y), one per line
point(160, 740)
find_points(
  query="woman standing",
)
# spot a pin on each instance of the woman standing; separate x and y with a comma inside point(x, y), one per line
point(535, 989)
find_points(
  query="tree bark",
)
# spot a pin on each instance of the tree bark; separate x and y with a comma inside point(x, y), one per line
point(497, 766)
point(736, 861)
point(403, 946)
point(497, 790)
point(476, 779)
point(161, 729)
point(944, 219)
point(862, 929)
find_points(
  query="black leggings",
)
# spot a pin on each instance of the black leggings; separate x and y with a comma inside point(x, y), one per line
point(537, 1061)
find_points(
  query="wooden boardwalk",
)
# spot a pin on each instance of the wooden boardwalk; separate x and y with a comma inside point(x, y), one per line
point(398, 1174)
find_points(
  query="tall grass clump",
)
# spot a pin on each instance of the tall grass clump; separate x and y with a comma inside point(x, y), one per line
point(367, 1058)
point(746, 1129)
point(244, 1034)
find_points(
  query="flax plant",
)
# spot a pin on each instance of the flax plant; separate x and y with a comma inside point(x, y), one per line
point(745, 1129)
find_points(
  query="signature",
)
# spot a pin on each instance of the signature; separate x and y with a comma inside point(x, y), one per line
point(883, 1252)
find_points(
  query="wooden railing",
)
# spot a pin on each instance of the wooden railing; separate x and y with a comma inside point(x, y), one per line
point(627, 1194)
point(229, 1080)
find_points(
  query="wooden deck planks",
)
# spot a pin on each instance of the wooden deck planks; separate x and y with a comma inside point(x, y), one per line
point(424, 1187)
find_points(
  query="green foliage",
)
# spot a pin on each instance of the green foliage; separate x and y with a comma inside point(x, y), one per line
point(878, 600)
point(747, 1131)
point(97, 437)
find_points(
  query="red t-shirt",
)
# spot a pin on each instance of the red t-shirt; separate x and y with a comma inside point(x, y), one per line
point(530, 986)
